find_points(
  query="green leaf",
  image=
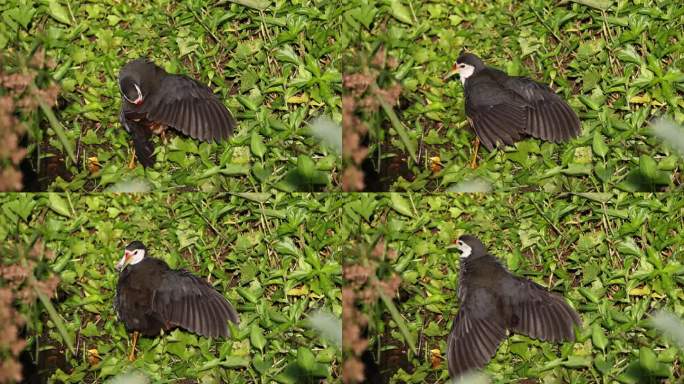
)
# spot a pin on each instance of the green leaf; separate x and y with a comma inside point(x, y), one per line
point(599, 146)
point(648, 167)
point(604, 366)
point(598, 4)
point(400, 12)
point(260, 5)
point(577, 361)
point(286, 54)
point(365, 14)
point(597, 196)
point(648, 359)
point(255, 196)
point(400, 204)
point(58, 12)
point(256, 337)
point(58, 204)
point(598, 337)
point(22, 14)
point(235, 362)
point(247, 103)
point(629, 54)
point(306, 359)
point(257, 145)
point(306, 167)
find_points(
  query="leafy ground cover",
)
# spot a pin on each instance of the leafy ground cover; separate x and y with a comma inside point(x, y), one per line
point(616, 257)
point(273, 64)
point(618, 63)
point(275, 257)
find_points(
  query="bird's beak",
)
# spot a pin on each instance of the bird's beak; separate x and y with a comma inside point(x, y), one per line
point(453, 245)
point(124, 261)
point(454, 71)
point(138, 100)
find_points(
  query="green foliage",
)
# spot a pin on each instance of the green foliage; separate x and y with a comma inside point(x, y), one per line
point(615, 257)
point(275, 69)
point(275, 257)
point(619, 65)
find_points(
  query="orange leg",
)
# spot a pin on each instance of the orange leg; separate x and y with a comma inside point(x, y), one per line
point(131, 163)
point(131, 356)
point(473, 160)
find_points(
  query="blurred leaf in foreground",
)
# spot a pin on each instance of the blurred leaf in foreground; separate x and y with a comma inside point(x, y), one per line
point(130, 186)
point(670, 325)
point(471, 378)
point(328, 326)
point(328, 132)
point(130, 378)
point(670, 132)
point(472, 186)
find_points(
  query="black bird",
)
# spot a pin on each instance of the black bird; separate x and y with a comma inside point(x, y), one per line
point(152, 100)
point(504, 109)
point(150, 296)
point(493, 301)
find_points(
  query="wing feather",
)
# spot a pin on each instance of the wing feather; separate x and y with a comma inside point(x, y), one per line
point(542, 314)
point(191, 303)
point(475, 335)
point(178, 102)
point(552, 118)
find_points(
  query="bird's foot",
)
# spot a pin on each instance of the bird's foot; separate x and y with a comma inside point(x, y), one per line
point(131, 163)
point(131, 356)
point(473, 159)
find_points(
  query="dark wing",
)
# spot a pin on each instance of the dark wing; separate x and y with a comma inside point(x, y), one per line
point(476, 333)
point(187, 301)
point(497, 115)
point(144, 149)
point(117, 301)
point(190, 107)
point(549, 117)
point(539, 313)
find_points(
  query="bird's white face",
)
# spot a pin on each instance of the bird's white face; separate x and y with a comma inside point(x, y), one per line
point(465, 249)
point(465, 71)
point(135, 97)
point(130, 258)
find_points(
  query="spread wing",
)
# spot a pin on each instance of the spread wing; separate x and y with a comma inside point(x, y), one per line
point(144, 149)
point(476, 333)
point(548, 117)
point(187, 301)
point(190, 107)
point(497, 115)
point(539, 313)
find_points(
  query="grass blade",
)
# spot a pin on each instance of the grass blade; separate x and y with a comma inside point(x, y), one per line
point(396, 124)
point(399, 320)
point(59, 130)
point(54, 316)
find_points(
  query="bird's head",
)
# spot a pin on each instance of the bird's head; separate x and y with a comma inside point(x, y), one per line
point(136, 80)
point(133, 254)
point(470, 247)
point(465, 66)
